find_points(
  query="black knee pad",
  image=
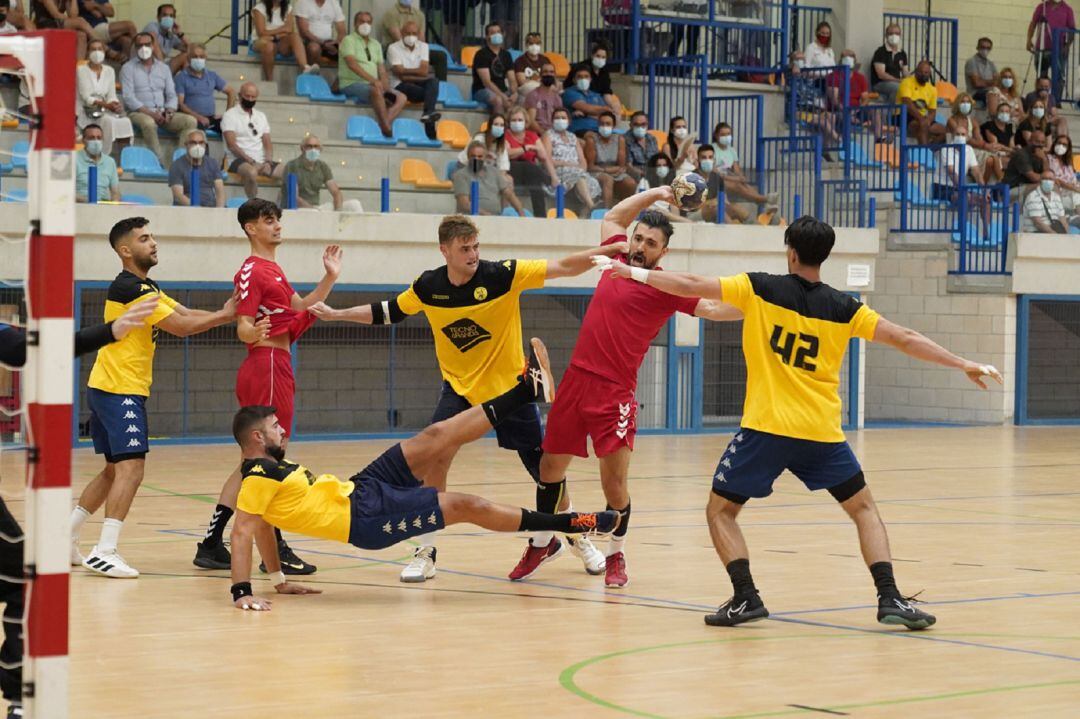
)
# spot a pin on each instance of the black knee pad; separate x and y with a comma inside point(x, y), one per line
point(531, 459)
point(848, 489)
point(736, 498)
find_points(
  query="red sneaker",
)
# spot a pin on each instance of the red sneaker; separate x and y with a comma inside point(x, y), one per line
point(615, 574)
point(534, 557)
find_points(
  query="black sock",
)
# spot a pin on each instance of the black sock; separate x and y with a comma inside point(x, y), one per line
point(508, 402)
point(277, 534)
point(624, 524)
point(216, 530)
point(884, 581)
point(548, 496)
point(741, 581)
point(546, 522)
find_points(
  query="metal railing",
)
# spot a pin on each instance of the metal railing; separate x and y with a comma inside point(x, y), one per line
point(804, 19)
point(844, 203)
point(745, 114)
point(873, 137)
point(791, 167)
point(985, 215)
point(677, 87)
point(930, 38)
point(815, 99)
point(1066, 58)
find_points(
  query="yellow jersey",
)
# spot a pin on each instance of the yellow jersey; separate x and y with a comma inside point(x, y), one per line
point(291, 498)
point(477, 326)
point(794, 336)
point(924, 96)
point(127, 366)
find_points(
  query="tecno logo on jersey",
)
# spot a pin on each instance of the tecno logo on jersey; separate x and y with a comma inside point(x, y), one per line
point(465, 334)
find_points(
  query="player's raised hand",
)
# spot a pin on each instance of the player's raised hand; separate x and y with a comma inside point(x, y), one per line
point(253, 603)
point(331, 260)
point(291, 588)
point(262, 327)
point(134, 317)
point(976, 372)
point(323, 311)
point(618, 269)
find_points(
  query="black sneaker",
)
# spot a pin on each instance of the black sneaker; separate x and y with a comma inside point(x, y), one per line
point(902, 611)
point(212, 557)
point(290, 563)
point(738, 611)
point(537, 373)
point(15, 711)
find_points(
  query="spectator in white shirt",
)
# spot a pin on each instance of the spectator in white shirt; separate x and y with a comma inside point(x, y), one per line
point(408, 59)
point(1043, 210)
point(249, 150)
point(819, 53)
point(275, 27)
point(322, 27)
point(98, 103)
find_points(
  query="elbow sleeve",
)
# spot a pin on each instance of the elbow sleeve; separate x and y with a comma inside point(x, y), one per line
point(386, 312)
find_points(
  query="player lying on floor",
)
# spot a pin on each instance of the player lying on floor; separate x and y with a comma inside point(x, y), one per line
point(390, 500)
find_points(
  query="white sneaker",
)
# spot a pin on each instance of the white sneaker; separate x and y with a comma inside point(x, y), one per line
point(422, 566)
point(109, 564)
point(76, 556)
point(590, 556)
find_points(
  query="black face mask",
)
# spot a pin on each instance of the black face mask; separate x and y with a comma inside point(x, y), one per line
point(247, 104)
point(922, 79)
point(3, 17)
point(547, 80)
point(476, 164)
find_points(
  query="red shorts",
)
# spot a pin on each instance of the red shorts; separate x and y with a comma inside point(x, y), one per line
point(266, 378)
point(587, 405)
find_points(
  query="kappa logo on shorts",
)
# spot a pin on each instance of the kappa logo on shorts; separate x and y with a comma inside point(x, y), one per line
point(418, 523)
point(623, 425)
point(132, 429)
point(128, 401)
point(720, 477)
point(726, 462)
point(432, 520)
point(388, 528)
point(465, 334)
point(402, 526)
point(130, 415)
point(134, 442)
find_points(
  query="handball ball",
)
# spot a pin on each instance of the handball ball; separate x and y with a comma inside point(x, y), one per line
point(690, 191)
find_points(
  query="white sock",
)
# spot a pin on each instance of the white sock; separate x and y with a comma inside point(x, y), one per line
point(78, 518)
point(110, 535)
point(425, 540)
point(542, 539)
point(615, 545)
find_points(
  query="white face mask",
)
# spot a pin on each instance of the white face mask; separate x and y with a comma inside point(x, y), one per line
point(599, 62)
point(681, 133)
point(145, 52)
point(894, 40)
point(533, 50)
point(1060, 150)
point(800, 64)
point(97, 57)
point(363, 29)
point(965, 108)
point(517, 126)
point(662, 171)
point(958, 140)
point(197, 152)
point(1038, 113)
point(725, 140)
point(409, 40)
point(847, 60)
point(707, 165)
point(605, 131)
point(1006, 82)
point(1004, 117)
point(1047, 186)
point(497, 131)
point(560, 124)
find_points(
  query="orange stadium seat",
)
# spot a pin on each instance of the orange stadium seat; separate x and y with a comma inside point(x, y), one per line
point(661, 137)
point(567, 214)
point(562, 65)
point(946, 91)
point(453, 133)
point(468, 53)
point(421, 174)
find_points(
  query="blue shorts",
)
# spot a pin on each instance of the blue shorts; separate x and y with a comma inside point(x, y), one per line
point(522, 430)
point(753, 460)
point(390, 505)
point(484, 96)
point(118, 425)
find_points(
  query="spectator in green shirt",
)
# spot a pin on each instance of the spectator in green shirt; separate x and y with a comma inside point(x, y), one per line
point(362, 74)
point(312, 175)
point(108, 181)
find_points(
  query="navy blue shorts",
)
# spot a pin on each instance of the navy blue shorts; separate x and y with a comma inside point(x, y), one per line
point(753, 460)
point(390, 505)
point(520, 431)
point(118, 424)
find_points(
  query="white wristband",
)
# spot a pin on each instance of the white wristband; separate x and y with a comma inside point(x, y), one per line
point(277, 578)
point(640, 274)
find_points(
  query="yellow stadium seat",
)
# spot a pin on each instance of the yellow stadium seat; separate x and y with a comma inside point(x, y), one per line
point(562, 65)
point(453, 133)
point(661, 137)
point(468, 53)
point(946, 91)
point(889, 154)
point(9, 123)
point(421, 174)
point(567, 214)
point(1076, 162)
point(483, 126)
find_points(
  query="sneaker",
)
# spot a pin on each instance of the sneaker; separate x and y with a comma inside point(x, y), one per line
point(311, 69)
point(534, 558)
point(595, 522)
point(901, 611)
point(15, 712)
point(615, 570)
point(738, 610)
point(76, 556)
point(216, 557)
point(290, 563)
point(590, 556)
point(773, 198)
point(109, 564)
point(422, 566)
point(432, 118)
point(537, 373)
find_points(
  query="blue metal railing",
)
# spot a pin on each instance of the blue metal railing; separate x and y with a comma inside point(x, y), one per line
point(677, 86)
point(844, 203)
point(1066, 57)
point(874, 135)
point(791, 167)
point(928, 195)
point(746, 115)
point(815, 99)
point(803, 21)
point(984, 220)
point(930, 38)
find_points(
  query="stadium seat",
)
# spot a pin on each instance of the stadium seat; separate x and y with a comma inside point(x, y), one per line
point(136, 199)
point(1076, 162)
point(421, 174)
point(412, 133)
point(468, 53)
point(366, 130)
point(661, 137)
point(10, 123)
point(13, 195)
point(922, 156)
point(141, 162)
point(562, 65)
point(511, 212)
point(451, 64)
point(19, 151)
point(235, 202)
point(567, 214)
point(450, 97)
point(946, 91)
point(598, 214)
point(916, 196)
point(316, 88)
point(859, 158)
point(887, 154)
point(451, 168)
point(515, 54)
point(453, 133)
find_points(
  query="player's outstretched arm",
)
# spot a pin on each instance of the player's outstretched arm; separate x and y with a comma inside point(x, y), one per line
point(581, 262)
point(332, 265)
point(184, 321)
point(619, 217)
point(245, 528)
point(681, 284)
point(922, 347)
point(361, 314)
point(717, 311)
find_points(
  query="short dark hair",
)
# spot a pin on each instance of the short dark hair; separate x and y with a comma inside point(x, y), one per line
point(639, 113)
point(981, 40)
point(162, 6)
point(247, 417)
point(600, 45)
point(657, 219)
point(124, 227)
point(811, 239)
point(147, 35)
point(256, 209)
point(609, 113)
point(5, 3)
point(92, 125)
point(533, 34)
point(490, 25)
point(707, 148)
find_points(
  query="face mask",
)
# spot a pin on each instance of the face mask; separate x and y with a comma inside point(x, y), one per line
point(363, 29)
point(605, 131)
point(1004, 117)
point(1047, 186)
point(1006, 82)
point(3, 18)
point(247, 104)
point(197, 152)
point(640, 132)
point(97, 57)
point(517, 126)
point(409, 40)
point(681, 133)
point(848, 61)
point(984, 54)
point(533, 50)
point(405, 3)
point(93, 147)
point(144, 52)
point(662, 171)
point(707, 165)
point(198, 64)
point(1044, 91)
point(167, 22)
point(894, 40)
point(1038, 113)
point(958, 140)
point(725, 140)
point(824, 40)
point(312, 154)
point(547, 80)
point(599, 62)
point(583, 84)
point(476, 164)
point(1060, 150)
point(496, 39)
point(965, 108)
point(800, 64)
point(497, 131)
point(560, 124)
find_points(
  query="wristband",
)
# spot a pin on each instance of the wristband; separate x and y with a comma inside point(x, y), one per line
point(241, 589)
point(277, 578)
point(640, 274)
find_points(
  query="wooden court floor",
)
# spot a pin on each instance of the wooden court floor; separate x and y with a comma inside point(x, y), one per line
point(985, 521)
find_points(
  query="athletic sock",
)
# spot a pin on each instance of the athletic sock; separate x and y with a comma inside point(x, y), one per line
point(78, 518)
point(216, 530)
point(110, 535)
point(884, 581)
point(741, 581)
point(277, 535)
point(542, 522)
point(618, 537)
point(508, 402)
point(425, 540)
point(548, 497)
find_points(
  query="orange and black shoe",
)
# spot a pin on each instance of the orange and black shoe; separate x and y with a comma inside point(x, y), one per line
point(537, 374)
point(595, 522)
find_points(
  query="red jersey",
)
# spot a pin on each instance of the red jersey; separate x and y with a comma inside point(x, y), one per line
point(264, 291)
point(623, 318)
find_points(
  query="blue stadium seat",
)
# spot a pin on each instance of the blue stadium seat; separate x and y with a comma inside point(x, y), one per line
point(13, 195)
point(451, 168)
point(137, 199)
point(917, 198)
point(515, 54)
point(598, 214)
point(412, 133)
point(19, 151)
point(366, 130)
point(450, 97)
point(451, 64)
point(235, 202)
point(316, 89)
point(511, 212)
point(141, 162)
point(924, 156)
point(859, 157)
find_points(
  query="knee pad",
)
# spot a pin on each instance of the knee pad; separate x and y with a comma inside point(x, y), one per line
point(848, 489)
point(531, 459)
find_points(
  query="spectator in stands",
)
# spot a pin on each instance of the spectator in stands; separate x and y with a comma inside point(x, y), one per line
point(530, 163)
point(1061, 165)
point(321, 24)
point(195, 88)
point(726, 160)
point(362, 74)
point(1027, 164)
point(920, 95)
point(1042, 92)
point(197, 159)
point(508, 14)
point(680, 146)
point(62, 15)
point(641, 145)
point(813, 103)
point(494, 140)
point(1044, 212)
point(529, 68)
point(1051, 15)
point(567, 153)
point(409, 61)
point(706, 167)
point(168, 37)
point(819, 53)
point(954, 170)
point(494, 83)
point(542, 102)
point(858, 96)
point(98, 103)
point(980, 72)
point(599, 77)
point(585, 104)
point(1036, 120)
point(660, 172)
point(999, 133)
point(249, 149)
point(889, 65)
point(605, 152)
point(7, 26)
point(117, 35)
point(495, 189)
point(312, 175)
point(1004, 91)
point(93, 154)
point(989, 162)
point(276, 34)
point(392, 29)
point(149, 95)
